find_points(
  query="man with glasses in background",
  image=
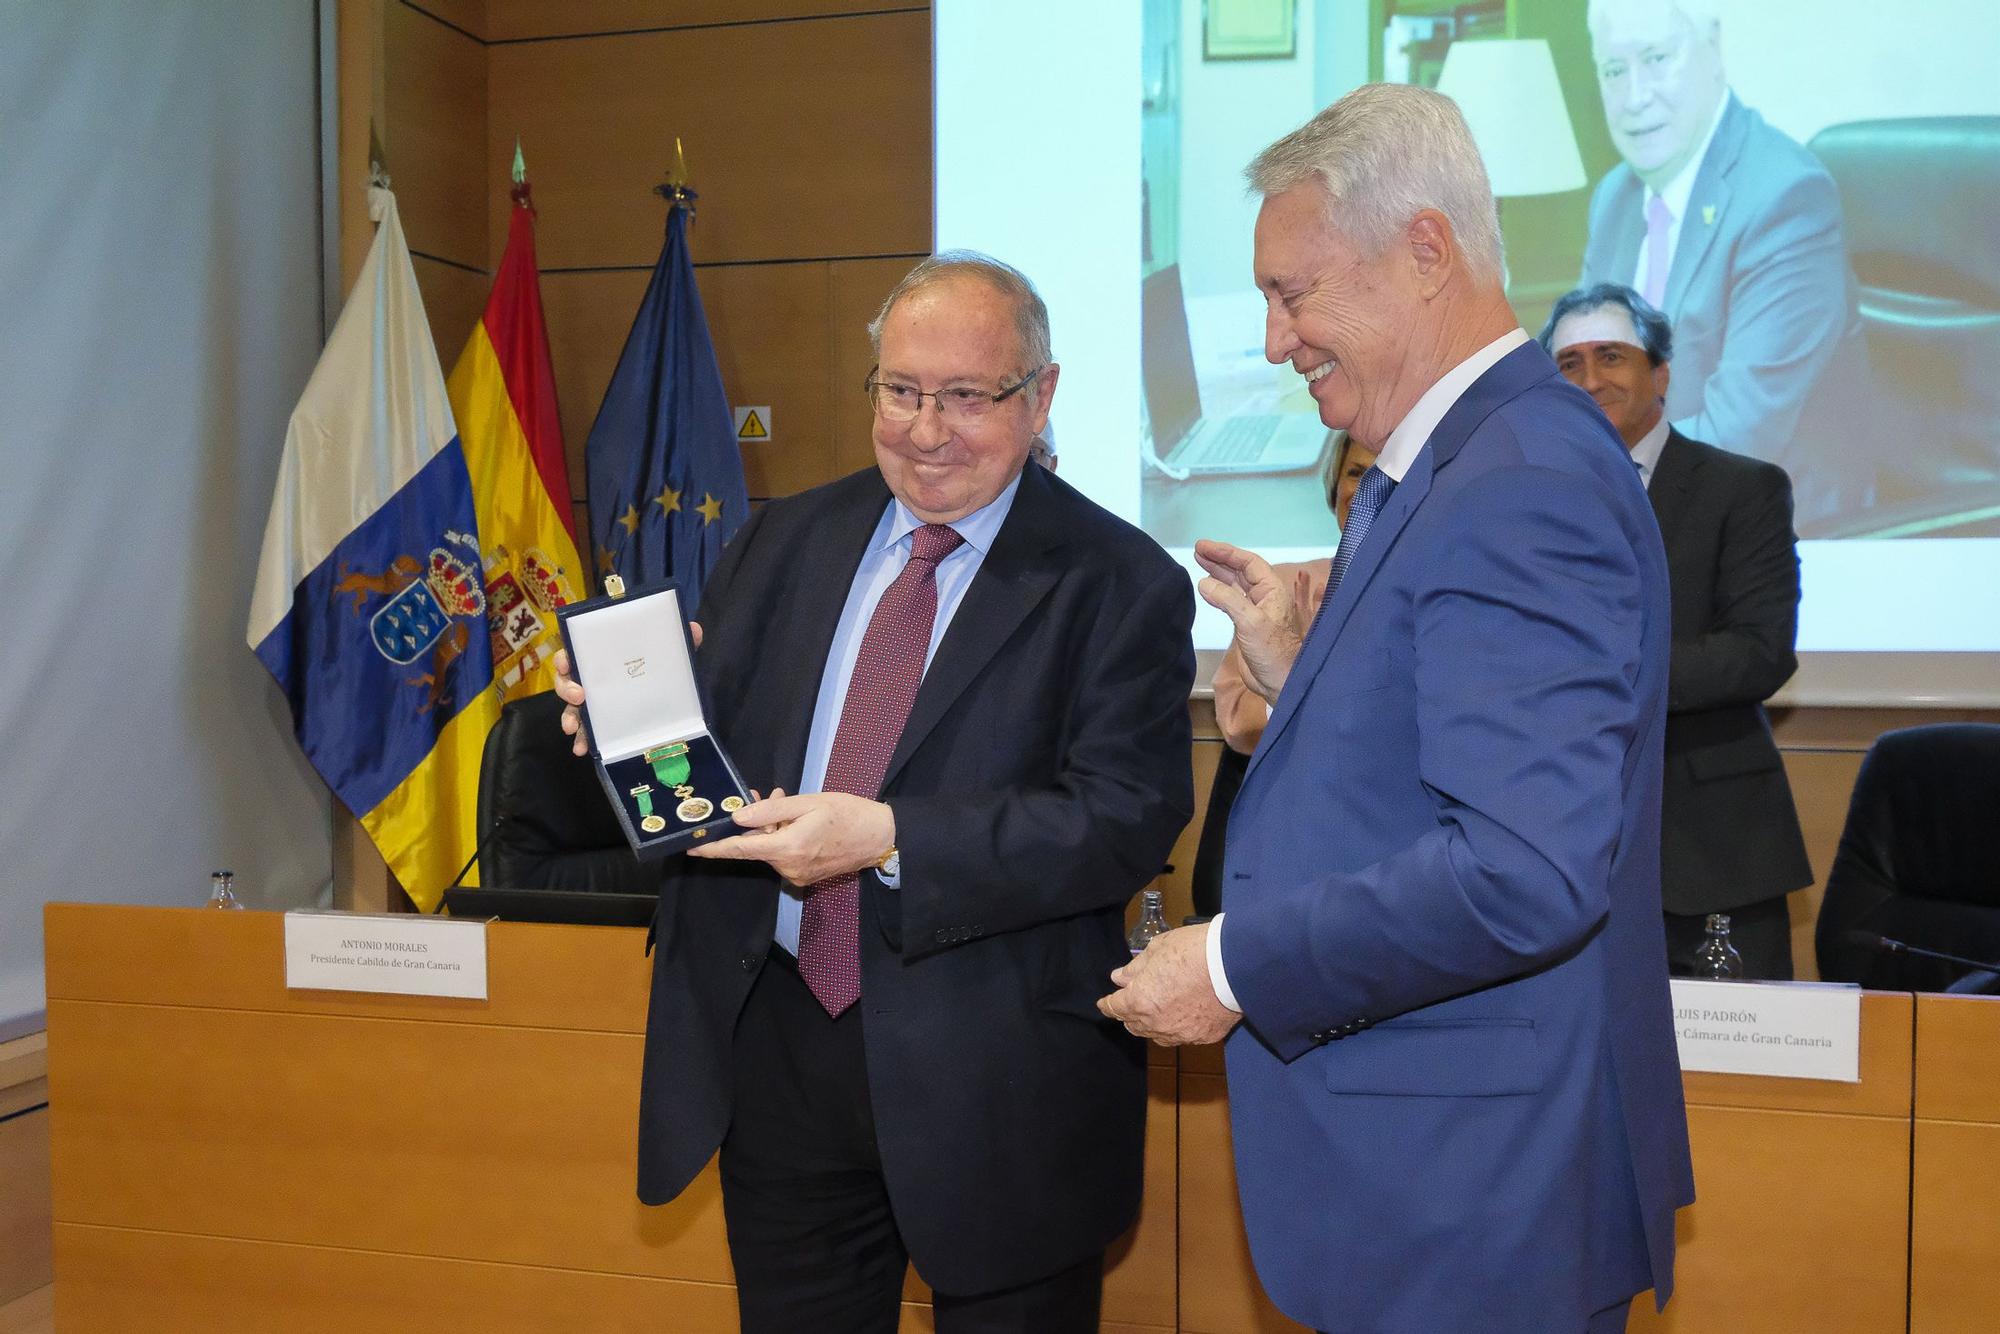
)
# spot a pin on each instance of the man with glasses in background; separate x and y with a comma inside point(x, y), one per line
point(1734, 231)
point(879, 999)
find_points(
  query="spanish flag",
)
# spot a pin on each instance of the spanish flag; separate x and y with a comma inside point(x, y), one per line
point(503, 394)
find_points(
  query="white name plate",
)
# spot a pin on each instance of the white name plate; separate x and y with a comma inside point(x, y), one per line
point(1788, 1030)
point(397, 953)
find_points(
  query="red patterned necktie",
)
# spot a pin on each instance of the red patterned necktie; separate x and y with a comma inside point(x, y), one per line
point(887, 673)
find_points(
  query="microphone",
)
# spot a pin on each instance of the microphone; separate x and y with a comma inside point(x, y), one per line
point(1868, 940)
point(499, 823)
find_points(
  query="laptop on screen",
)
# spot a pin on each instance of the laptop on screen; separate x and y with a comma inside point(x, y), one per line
point(1186, 442)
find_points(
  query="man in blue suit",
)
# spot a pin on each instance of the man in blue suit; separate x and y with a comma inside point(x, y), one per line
point(1734, 230)
point(1453, 1086)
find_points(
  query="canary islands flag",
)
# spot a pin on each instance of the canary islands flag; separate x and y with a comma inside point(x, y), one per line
point(369, 608)
point(503, 396)
point(666, 478)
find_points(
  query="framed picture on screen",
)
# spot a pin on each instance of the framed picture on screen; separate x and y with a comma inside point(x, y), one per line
point(1249, 30)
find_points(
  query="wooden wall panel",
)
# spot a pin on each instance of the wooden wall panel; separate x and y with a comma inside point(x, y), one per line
point(1801, 1224)
point(173, 1119)
point(519, 20)
point(454, 299)
point(792, 336)
point(1885, 1084)
point(1178, 885)
point(24, 1068)
point(469, 15)
point(435, 139)
point(594, 978)
point(26, 1257)
point(588, 316)
point(1219, 1289)
point(1856, 729)
point(770, 326)
point(1140, 1275)
point(769, 323)
point(805, 140)
point(1957, 1039)
point(1954, 1246)
point(858, 289)
point(116, 1280)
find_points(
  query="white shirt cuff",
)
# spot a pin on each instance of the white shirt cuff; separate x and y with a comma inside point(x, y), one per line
point(1216, 977)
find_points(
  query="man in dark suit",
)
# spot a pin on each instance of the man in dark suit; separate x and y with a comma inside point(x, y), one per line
point(1730, 834)
point(878, 1001)
point(1453, 1088)
point(1733, 229)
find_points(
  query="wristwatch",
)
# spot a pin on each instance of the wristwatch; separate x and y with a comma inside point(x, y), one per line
point(890, 864)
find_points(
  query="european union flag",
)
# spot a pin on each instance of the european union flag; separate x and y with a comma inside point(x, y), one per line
point(665, 478)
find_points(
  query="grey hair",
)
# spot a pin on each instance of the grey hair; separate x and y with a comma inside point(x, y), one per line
point(1382, 154)
point(1031, 316)
point(1704, 16)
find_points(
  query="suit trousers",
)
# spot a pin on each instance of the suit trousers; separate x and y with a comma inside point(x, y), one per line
point(1761, 933)
point(812, 1235)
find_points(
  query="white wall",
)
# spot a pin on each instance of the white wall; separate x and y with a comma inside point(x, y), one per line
point(1808, 64)
point(1230, 109)
point(159, 314)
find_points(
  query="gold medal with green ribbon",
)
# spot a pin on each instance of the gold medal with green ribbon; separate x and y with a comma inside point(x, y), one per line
point(648, 821)
point(670, 763)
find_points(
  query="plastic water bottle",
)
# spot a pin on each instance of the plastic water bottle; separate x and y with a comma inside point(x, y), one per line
point(222, 890)
point(1717, 959)
point(1152, 921)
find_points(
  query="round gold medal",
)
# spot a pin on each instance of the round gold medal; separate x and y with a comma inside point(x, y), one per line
point(694, 809)
point(653, 824)
point(732, 803)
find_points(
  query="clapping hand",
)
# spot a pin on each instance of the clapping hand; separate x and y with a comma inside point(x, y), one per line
point(1266, 609)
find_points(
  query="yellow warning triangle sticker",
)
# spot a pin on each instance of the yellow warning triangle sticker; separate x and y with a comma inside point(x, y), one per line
point(752, 428)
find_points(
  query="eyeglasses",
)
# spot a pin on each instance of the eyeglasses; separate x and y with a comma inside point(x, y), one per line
point(960, 405)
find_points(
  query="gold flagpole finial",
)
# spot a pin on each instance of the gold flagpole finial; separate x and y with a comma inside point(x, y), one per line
point(676, 189)
point(378, 161)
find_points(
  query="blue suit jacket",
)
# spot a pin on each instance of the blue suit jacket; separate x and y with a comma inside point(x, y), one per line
point(1762, 301)
point(1455, 1096)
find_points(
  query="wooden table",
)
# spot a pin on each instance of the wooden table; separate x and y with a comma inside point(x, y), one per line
point(230, 1154)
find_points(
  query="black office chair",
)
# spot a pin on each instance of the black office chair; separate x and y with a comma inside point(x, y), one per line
point(1919, 861)
point(543, 817)
point(1921, 201)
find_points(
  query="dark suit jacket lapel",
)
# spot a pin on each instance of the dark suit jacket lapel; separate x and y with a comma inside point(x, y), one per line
point(1673, 475)
point(1708, 202)
point(1502, 381)
point(824, 578)
point(1016, 575)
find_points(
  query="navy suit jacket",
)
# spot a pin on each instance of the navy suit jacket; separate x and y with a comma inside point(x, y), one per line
point(1455, 1095)
point(1039, 784)
point(1761, 297)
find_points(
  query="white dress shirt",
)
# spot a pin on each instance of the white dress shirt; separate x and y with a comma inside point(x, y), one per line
point(888, 552)
point(1401, 450)
point(1677, 194)
point(1647, 452)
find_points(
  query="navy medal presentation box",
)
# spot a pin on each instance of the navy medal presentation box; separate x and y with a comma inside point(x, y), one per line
point(667, 778)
